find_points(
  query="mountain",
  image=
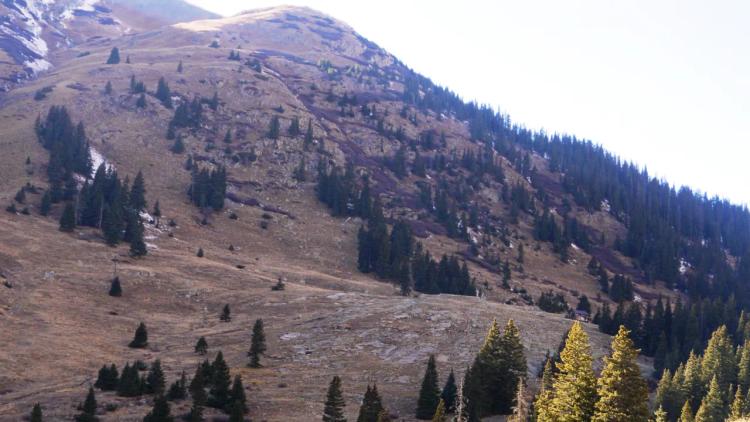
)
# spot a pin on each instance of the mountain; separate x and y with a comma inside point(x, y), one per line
point(31, 30)
point(283, 146)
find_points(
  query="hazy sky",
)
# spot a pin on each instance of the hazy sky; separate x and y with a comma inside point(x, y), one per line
point(665, 83)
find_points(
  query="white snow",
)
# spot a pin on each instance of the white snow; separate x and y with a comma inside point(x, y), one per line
point(684, 266)
point(604, 206)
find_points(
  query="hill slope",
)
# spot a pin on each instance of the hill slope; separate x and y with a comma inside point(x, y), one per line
point(366, 110)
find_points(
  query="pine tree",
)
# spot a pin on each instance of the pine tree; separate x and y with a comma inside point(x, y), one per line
point(88, 409)
point(114, 56)
point(201, 347)
point(155, 382)
point(738, 405)
point(138, 193)
point(719, 360)
point(660, 415)
point(273, 128)
point(308, 136)
point(46, 204)
point(712, 406)
point(200, 253)
point(449, 393)
point(429, 394)
point(220, 382)
point(293, 130)
point(439, 415)
point(542, 404)
point(228, 137)
point(257, 344)
point(574, 387)
point(137, 244)
point(197, 388)
point(36, 413)
point(178, 389)
point(226, 314)
point(371, 406)
point(334, 405)
point(237, 395)
point(115, 289)
point(140, 340)
point(160, 412)
point(236, 414)
point(623, 393)
point(163, 93)
point(68, 219)
point(108, 88)
point(141, 101)
point(179, 67)
point(687, 413)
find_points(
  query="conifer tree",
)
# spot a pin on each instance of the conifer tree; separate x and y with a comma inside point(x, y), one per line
point(155, 382)
point(141, 101)
point(163, 93)
point(228, 137)
point(179, 67)
point(429, 394)
point(237, 395)
point(542, 404)
point(623, 393)
point(68, 219)
point(138, 193)
point(448, 395)
point(273, 128)
point(200, 253)
point(114, 56)
point(108, 88)
point(712, 406)
point(226, 314)
point(178, 389)
point(160, 412)
point(308, 136)
point(201, 347)
point(737, 409)
point(137, 244)
point(140, 340)
point(257, 344)
point(574, 387)
point(293, 130)
point(115, 289)
point(719, 360)
point(46, 204)
point(692, 384)
point(236, 414)
point(334, 405)
point(220, 383)
point(687, 413)
point(88, 409)
point(36, 413)
point(197, 388)
point(371, 406)
point(439, 415)
point(660, 415)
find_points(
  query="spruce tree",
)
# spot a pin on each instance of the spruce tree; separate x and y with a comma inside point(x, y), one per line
point(371, 406)
point(46, 204)
point(308, 136)
point(257, 344)
point(138, 193)
point(140, 340)
point(163, 93)
point(228, 137)
point(439, 415)
point(200, 253)
point(114, 56)
point(623, 393)
point(160, 412)
point(201, 347)
point(155, 382)
point(737, 409)
point(115, 289)
point(273, 128)
point(220, 383)
point(333, 411)
point(236, 413)
point(448, 395)
point(429, 394)
point(141, 101)
point(574, 387)
point(719, 360)
point(660, 415)
point(88, 409)
point(137, 244)
point(108, 88)
point(687, 413)
point(179, 67)
point(68, 219)
point(197, 388)
point(237, 395)
point(226, 314)
point(712, 406)
point(178, 389)
point(36, 413)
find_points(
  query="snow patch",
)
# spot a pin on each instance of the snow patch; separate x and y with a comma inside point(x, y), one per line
point(605, 206)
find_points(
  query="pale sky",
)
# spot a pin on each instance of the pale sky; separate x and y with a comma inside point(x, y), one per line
point(664, 83)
